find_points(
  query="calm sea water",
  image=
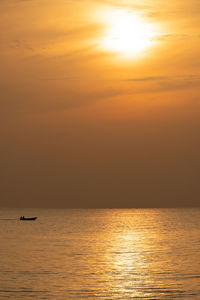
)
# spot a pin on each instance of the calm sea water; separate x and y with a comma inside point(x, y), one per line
point(100, 254)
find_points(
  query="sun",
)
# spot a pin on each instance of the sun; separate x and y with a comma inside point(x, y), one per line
point(128, 34)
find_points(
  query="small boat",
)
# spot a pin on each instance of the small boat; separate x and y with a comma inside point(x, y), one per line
point(27, 219)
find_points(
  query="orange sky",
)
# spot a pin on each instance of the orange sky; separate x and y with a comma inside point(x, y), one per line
point(99, 103)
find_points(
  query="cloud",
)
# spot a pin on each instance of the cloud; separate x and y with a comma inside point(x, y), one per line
point(34, 98)
point(16, 3)
point(21, 44)
point(190, 77)
point(51, 41)
point(172, 37)
point(148, 78)
point(165, 83)
point(30, 98)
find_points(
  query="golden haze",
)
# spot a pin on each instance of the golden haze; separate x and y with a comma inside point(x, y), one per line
point(99, 100)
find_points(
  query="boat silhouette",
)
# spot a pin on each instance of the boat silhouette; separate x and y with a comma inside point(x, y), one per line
point(28, 219)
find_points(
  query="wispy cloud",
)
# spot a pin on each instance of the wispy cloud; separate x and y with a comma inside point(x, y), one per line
point(190, 77)
point(173, 37)
point(165, 83)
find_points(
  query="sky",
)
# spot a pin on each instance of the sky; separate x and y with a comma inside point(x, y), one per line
point(99, 103)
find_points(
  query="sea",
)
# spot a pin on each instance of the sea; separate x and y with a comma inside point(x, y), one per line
point(100, 254)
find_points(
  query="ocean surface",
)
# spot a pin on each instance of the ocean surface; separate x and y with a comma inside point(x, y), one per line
point(100, 254)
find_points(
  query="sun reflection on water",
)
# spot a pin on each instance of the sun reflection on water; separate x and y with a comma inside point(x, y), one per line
point(128, 264)
point(138, 257)
point(103, 254)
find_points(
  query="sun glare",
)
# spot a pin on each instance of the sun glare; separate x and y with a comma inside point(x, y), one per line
point(128, 34)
